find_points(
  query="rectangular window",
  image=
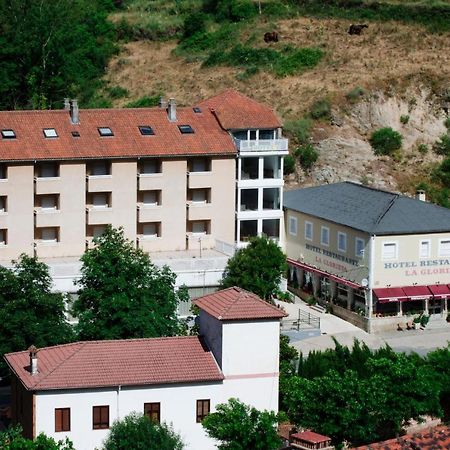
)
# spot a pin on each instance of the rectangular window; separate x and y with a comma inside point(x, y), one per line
point(98, 230)
point(424, 249)
point(444, 247)
point(203, 407)
point(8, 134)
point(146, 130)
point(49, 234)
point(62, 419)
point(186, 129)
point(359, 247)
point(50, 133)
point(199, 165)
point(153, 411)
point(149, 166)
point(48, 170)
point(342, 242)
point(101, 199)
point(293, 226)
point(199, 226)
point(105, 131)
point(308, 231)
point(47, 201)
point(151, 198)
point(389, 250)
point(151, 229)
point(3, 172)
point(325, 236)
point(3, 237)
point(3, 201)
point(100, 168)
point(199, 195)
point(100, 417)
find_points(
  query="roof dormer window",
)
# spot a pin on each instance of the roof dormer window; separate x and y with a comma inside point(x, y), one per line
point(8, 134)
point(50, 133)
point(197, 110)
point(105, 131)
point(186, 129)
point(146, 130)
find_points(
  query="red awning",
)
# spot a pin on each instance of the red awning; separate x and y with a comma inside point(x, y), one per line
point(330, 276)
point(440, 291)
point(394, 294)
point(417, 292)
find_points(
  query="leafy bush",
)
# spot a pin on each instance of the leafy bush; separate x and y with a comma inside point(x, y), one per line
point(442, 146)
point(235, 10)
point(321, 109)
point(117, 92)
point(422, 148)
point(404, 119)
point(299, 129)
point(355, 94)
point(447, 122)
point(307, 156)
point(289, 164)
point(443, 172)
point(144, 102)
point(385, 141)
point(195, 23)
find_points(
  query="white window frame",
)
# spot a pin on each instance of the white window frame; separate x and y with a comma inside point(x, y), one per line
point(440, 251)
point(383, 244)
point(344, 235)
point(428, 241)
point(293, 225)
point(309, 225)
point(322, 242)
point(361, 253)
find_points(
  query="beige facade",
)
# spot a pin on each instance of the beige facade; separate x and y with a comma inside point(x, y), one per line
point(162, 205)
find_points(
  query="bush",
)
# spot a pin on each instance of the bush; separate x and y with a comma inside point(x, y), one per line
point(443, 172)
point(299, 129)
point(117, 92)
point(296, 60)
point(235, 10)
point(289, 164)
point(442, 146)
point(307, 156)
point(144, 102)
point(321, 109)
point(355, 94)
point(386, 141)
point(404, 119)
point(447, 122)
point(195, 23)
point(423, 149)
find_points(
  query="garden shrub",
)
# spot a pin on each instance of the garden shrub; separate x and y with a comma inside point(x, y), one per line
point(307, 156)
point(321, 109)
point(442, 146)
point(386, 141)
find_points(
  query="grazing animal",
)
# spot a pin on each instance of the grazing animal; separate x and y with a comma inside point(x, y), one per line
point(271, 36)
point(357, 29)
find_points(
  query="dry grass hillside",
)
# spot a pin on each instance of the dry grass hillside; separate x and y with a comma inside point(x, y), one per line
point(405, 65)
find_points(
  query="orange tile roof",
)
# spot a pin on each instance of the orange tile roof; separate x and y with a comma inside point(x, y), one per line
point(118, 363)
point(235, 111)
point(311, 436)
point(237, 304)
point(433, 438)
point(30, 144)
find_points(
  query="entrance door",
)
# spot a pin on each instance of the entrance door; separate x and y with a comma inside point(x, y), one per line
point(435, 306)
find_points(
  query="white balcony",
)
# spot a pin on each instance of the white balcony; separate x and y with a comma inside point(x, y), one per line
point(149, 213)
point(150, 181)
point(99, 183)
point(47, 217)
point(48, 185)
point(199, 210)
point(99, 215)
point(262, 145)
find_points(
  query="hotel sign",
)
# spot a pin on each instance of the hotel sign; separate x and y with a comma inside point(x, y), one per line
point(322, 260)
point(414, 268)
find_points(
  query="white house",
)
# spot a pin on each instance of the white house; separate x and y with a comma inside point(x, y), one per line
point(78, 390)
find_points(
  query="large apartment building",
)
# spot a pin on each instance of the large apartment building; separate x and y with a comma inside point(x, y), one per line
point(169, 176)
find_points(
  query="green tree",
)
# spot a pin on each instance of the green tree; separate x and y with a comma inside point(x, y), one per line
point(30, 313)
point(138, 432)
point(442, 146)
point(123, 295)
point(51, 49)
point(240, 427)
point(257, 268)
point(307, 155)
point(385, 141)
point(12, 439)
point(289, 164)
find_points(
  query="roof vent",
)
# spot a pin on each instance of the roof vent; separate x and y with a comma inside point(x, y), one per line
point(66, 104)
point(172, 110)
point(74, 113)
point(33, 360)
point(420, 195)
point(162, 103)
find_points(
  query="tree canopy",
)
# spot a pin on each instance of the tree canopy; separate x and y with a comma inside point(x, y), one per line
point(12, 439)
point(240, 427)
point(138, 432)
point(51, 49)
point(257, 268)
point(30, 313)
point(122, 294)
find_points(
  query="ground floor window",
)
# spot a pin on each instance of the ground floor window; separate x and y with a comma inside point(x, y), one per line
point(153, 411)
point(203, 408)
point(100, 417)
point(62, 419)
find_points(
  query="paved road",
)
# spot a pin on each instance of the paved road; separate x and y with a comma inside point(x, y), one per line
point(419, 341)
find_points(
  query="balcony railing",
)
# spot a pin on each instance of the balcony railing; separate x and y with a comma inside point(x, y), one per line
point(262, 145)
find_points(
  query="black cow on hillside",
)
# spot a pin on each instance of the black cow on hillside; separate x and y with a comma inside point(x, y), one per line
point(357, 29)
point(271, 36)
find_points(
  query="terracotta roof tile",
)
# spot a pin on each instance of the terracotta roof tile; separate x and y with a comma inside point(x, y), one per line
point(237, 304)
point(311, 436)
point(118, 362)
point(208, 138)
point(235, 111)
point(434, 438)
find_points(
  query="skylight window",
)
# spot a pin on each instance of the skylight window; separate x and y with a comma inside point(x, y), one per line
point(186, 129)
point(146, 130)
point(105, 131)
point(50, 133)
point(75, 134)
point(8, 134)
point(197, 110)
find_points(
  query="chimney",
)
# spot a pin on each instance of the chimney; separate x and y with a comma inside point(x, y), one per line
point(420, 195)
point(162, 103)
point(172, 110)
point(74, 114)
point(66, 104)
point(33, 360)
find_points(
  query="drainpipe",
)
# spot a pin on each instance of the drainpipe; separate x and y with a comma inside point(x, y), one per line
point(371, 266)
point(119, 388)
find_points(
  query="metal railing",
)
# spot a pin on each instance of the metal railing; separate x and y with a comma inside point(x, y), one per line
point(305, 320)
point(262, 145)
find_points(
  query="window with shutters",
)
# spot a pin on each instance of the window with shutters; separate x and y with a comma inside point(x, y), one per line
point(390, 250)
point(342, 242)
point(203, 407)
point(325, 236)
point(424, 249)
point(444, 247)
point(308, 231)
point(293, 226)
point(62, 419)
point(153, 411)
point(100, 417)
